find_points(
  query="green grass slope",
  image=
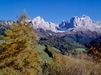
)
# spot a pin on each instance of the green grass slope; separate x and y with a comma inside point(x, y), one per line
point(44, 56)
point(2, 41)
point(80, 49)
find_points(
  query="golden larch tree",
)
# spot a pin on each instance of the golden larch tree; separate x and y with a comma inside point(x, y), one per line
point(19, 51)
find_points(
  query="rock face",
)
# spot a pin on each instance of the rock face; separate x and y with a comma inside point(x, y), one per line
point(81, 21)
point(84, 22)
point(39, 22)
point(64, 26)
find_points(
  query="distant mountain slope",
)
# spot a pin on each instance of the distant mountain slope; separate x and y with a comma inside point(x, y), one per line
point(61, 43)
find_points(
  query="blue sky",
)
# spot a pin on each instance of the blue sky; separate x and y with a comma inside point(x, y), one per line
point(51, 10)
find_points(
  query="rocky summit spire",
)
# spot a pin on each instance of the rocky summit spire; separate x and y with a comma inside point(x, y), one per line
point(81, 21)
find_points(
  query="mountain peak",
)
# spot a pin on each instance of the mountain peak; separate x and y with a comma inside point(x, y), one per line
point(81, 21)
point(84, 15)
point(39, 22)
point(38, 17)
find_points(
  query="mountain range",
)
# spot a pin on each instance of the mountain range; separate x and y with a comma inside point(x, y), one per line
point(76, 24)
point(82, 23)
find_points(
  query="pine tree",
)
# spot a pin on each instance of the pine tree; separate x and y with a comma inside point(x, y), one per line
point(19, 50)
